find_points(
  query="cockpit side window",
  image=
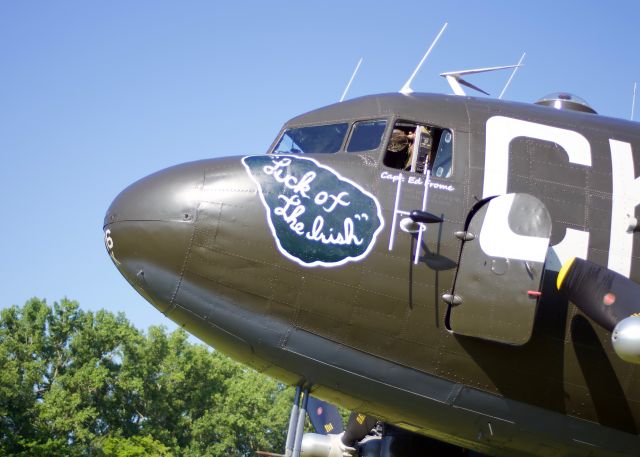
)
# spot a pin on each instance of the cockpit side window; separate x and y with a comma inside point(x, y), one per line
point(366, 135)
point(315, 139)
point(442, 165)
point(418, 147)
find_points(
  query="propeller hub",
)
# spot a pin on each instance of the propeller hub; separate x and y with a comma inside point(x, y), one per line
point(626, 339)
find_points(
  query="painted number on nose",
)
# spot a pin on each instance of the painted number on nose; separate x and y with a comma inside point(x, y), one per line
point(108, 241)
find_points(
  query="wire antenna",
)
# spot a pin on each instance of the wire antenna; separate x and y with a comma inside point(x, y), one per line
point(346, 89)
point(633, 100)
point(513, 73)
point(406, 89)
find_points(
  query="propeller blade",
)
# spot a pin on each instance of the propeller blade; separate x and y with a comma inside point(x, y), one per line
point(358, 426)
point(324, 417)
point(605, 296)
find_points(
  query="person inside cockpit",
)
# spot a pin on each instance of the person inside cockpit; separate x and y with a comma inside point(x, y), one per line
point(399, 150)
point(418, 148)
point(404, 154)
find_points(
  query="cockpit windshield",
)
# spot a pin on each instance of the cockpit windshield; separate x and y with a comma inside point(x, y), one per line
point(325, 139)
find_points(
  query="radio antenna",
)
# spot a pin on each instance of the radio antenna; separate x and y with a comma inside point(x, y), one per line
point(406, 89)
point(455, 80)
point(513, 73)
point(346, 89)
point(633, 100)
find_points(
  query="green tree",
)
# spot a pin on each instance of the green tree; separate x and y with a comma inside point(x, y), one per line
point(136, 446)
point(252, 414)
point(74, 382)
point(25, 359)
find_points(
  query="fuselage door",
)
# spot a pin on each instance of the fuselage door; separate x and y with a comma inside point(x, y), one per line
point(496, 290)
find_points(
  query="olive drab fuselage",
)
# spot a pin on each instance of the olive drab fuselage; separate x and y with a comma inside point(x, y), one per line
point(310, 268)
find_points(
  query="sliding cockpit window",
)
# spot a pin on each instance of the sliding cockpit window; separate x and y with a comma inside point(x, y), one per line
point(418, 147)
point(366, 135)
point(324, 139)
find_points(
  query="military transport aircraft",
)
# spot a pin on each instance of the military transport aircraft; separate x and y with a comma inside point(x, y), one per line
point(400, 254)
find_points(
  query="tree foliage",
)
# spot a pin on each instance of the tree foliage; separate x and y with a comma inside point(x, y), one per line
point(78, 383)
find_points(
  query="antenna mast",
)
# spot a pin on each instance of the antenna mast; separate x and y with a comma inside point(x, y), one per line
point(513, 73)
point(406, 89)
point(633, 100)
point(346, 89)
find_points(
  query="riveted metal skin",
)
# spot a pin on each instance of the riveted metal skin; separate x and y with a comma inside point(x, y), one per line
point(207, 244)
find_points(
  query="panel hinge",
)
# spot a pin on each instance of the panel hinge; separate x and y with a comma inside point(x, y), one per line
point(451, 299)
point(464, 235)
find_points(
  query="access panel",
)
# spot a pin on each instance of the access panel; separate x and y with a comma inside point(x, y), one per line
point(496, 290)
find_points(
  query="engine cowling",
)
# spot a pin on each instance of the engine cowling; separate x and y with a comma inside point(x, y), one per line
point(316, 445)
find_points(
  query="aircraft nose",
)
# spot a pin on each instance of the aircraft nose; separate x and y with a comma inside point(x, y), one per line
point(168, 195)
point(148, 228)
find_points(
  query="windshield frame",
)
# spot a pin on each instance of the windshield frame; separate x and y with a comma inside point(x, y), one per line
point(340, 147)
point(351, 124)
point(352, 129)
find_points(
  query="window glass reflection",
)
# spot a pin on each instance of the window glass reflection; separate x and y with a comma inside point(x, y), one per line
point(366, 135)
point(325, 139)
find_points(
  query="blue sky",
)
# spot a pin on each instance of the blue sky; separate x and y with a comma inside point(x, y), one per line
point(94, 95)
